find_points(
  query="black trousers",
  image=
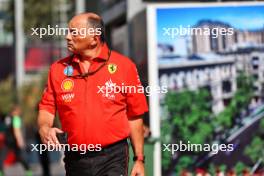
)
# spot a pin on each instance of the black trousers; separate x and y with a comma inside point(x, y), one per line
point(111, 161)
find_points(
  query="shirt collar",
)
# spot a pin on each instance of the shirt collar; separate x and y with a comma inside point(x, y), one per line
point(104, 52)
point(103, 55)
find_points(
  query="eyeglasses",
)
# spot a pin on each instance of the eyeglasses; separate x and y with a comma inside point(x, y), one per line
point(83, 75)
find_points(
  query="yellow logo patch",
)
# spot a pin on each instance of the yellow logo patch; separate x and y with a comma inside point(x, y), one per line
point(67, 85)
point(112, 68)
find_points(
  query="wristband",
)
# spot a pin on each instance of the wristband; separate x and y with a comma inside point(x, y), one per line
point(139, 158)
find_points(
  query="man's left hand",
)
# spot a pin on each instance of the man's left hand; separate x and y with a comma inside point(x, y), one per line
point(138, 169)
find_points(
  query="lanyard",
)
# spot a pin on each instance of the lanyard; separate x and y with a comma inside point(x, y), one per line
point(83, 75)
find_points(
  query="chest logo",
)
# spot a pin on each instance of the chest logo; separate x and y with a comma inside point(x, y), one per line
point(68, 71)
point(108, 90)
point(67, 85)
point(112, 68)
point(67, 97)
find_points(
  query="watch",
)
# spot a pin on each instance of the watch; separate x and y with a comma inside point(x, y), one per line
point(139, 158)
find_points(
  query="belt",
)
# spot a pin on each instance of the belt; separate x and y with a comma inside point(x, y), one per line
point(111, 146)
point(104, 150)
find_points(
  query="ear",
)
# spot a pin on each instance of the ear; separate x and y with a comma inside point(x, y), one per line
point(95, 40)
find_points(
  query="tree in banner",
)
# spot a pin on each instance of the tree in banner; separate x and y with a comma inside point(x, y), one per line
point(255, 149)
point(240, 101)
point(189, 118)
point(188, 115)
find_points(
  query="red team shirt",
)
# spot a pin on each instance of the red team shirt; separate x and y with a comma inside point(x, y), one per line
point(88, 110)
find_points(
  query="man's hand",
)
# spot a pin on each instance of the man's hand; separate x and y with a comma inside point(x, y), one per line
point(48, 134)
point(138, 169)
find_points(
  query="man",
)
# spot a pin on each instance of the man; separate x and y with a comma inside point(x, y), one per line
point(15, 140)
point(92, 109)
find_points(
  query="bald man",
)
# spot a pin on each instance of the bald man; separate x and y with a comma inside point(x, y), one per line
point(96, 116)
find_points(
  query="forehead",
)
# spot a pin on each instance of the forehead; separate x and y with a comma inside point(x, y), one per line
point(78, 23)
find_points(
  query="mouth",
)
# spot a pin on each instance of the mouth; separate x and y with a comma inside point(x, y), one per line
point(69, 47)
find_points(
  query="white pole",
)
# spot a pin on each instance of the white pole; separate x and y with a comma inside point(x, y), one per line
point(19, 43)
point(80, 6)
point(153, 82)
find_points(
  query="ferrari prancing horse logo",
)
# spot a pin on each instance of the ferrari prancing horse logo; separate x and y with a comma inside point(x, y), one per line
point(112, 68)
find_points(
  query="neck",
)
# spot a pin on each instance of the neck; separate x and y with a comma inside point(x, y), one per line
point(92, 53)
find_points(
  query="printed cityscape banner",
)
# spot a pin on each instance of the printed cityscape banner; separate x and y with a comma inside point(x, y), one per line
point(211, 59)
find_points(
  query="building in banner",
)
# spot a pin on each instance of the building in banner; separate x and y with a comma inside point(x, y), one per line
point(256, 68)
point(214, 72)
point(246, 47)
point(251, 61)
point(214, 42)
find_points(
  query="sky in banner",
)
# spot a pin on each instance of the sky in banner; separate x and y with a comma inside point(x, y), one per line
point(250, 17)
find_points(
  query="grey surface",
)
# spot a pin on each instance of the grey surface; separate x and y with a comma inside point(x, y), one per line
point(57, 169)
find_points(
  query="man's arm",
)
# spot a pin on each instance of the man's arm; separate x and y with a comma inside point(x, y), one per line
point(19, 137)
point(137, 140)
point(137, 135)
point(17, 124)
point(45, 123)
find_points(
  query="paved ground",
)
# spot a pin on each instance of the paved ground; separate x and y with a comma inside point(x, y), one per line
point(57, 169)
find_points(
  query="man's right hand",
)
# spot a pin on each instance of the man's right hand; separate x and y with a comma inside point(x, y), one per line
point(48, 135)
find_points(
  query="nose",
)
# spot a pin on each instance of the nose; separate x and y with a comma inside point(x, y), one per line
point(68, 36)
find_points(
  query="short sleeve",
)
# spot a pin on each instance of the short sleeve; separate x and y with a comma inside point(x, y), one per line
point(136, 100)
point(16, 122)
point(47, 102)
